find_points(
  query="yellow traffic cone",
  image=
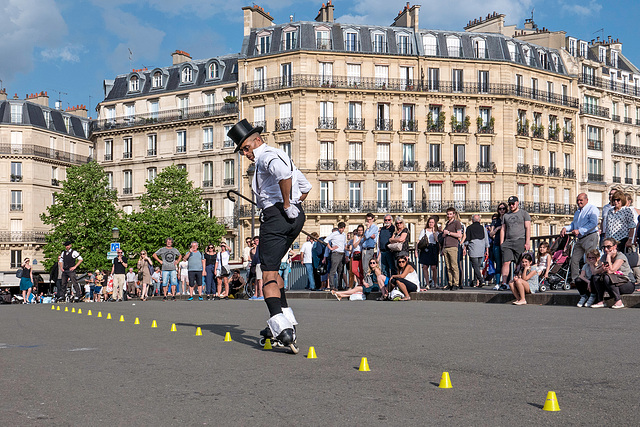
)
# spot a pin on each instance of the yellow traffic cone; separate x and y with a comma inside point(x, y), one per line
point(154, 324)
point(227, 337)
point(108, 316)
point(79, 311)
point(364, 365)
point(99, 314)
point(198, 332)
point(173, 327)
point(445, 381)
point(121, 318)
point(312, 353)
point(73, 310)
point(58, 308)
point(267, 345)
point(551, 404)
point(136, 322)
point(89, 313)
point(53, 307)
point(66, 309)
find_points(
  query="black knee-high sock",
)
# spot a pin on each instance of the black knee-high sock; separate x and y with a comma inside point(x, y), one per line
point(283, 299)
point(274, 306)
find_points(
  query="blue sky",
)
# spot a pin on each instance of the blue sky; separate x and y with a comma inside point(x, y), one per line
point(71, 46)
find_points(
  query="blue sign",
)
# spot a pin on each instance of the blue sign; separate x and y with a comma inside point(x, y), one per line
point(115, 247)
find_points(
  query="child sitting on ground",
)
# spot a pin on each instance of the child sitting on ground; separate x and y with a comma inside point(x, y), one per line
point(525, 280)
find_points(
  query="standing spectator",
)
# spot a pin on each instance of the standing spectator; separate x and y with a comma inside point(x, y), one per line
point(401, 235)
point(605, 211)
point(428, 256)
point(336, 243)
point(146, 266)
point(210, 256)
point(99, 282)
point(255, 265)
point(477, 247)
point(246, 254)
point(223, 271)
point(584, 228)
point(317, 256)
point(119, 271)
point(515, 225)
point(171, 257)
point(356, 254)
point(131, 282)
point(183, 274)
point(156, 280)
point(452, 234)
point(369, 242)
point(285, 268)
point(387, 258)
point(68, 262)
point(196, 267)
point(307, 260)
point(494, 233)
point(347, 258)
point(91, 281)
point(619, 222)
point(26, 281)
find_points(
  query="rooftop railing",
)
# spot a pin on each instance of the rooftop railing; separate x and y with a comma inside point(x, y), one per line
point(43, 152)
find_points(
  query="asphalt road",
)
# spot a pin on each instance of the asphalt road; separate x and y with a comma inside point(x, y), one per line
point(72, 369)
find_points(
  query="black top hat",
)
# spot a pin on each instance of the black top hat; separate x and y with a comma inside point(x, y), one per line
point(241, 131)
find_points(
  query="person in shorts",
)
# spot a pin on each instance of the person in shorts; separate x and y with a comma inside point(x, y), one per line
point(196, 266)
point(515, 237)
point(171, 257)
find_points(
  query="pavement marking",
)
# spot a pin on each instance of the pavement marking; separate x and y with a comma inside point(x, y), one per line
point(83, 349)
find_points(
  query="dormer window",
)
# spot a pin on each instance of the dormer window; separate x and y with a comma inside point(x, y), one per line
point(602, 54)
point(379, 43)
point(542, 56)
point(323, 39)
point(351, 43)
point(527, 54)
point(134, 84)
point(214, 70)
point(572, 47)
point(556, 63)
point(290, 39)
point(67, 122)
point(454, 47)
point(263, 43)
point(513, 52)
point(157, 79)
point(614, 58)
point(430, 44)
point(479, 48)
point(186, 75)
point(404, 44)
point(583, 49)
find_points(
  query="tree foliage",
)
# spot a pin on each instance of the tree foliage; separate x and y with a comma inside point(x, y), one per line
point(171, 207)
point(84, 213)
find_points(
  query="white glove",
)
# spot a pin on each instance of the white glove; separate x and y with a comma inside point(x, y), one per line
point(292, 211)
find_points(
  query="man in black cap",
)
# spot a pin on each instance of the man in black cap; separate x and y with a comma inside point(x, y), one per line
point(515, 236)
point(279, 188)
point(68, 261)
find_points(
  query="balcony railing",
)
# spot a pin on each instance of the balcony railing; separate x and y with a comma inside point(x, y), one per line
point(522, 130)
point(55, 182)
point(637, 181)
point(43, 152)
point(626, 149)
point(15, 207)
point(609, 84)
point(383, 165)
point(568, 137)
point(284, 124)
point(327, 165)
point(207, 146)
point(435, 127)
point(356, 165)
point(166, 116)
point(554, 135)
point(384, 124)
point(555, 172)
point(23, 237)
point(628, 181)
point(127, 155)
point(486, 167)
point(569, 173)
point(228, 181)
point(595, 177)
point(548, 208)
point(594, 144)
point(615, 117)
point(261, 123)
point(207, 183)
point(628, 120)
point(108, 157)
point(409, 166)
point(523, 168)
point(408, 85)
point(324, 44)
point(152, 152)
point(127, 190)
point(486, 129)
point(16, 178)
point(409, 125)
point(538, 132)
point(460, 167)
point(617, 179)
point(181, 149)
point(436, 167)
point(355, 124)
point(538, 170)
point(327, 123)
point(594, 110)
point(228, 143)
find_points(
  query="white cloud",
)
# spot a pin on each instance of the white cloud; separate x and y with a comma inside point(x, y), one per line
point(68, 53)
point(27, 25)
point(593, 7)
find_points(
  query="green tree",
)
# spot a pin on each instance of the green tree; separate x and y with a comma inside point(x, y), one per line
point(171, 207)
point(84, 213)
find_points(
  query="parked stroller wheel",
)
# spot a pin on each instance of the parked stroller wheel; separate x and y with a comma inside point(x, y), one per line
point(567, 286)
point(542, 288)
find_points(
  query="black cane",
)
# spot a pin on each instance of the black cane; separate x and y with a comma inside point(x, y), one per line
point(230, 196)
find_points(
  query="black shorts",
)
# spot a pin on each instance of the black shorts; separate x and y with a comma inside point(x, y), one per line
point(277, 234)
point(195, 278)
point(511, 250)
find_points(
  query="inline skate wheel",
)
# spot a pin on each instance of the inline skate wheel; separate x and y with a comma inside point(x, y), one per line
point(262, 341)
point(294, 348)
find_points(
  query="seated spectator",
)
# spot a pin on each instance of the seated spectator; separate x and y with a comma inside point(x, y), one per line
point(525, 281)
point(406, 280)
point(582, 282)
point(370, 283)
point(236, 285)
point(613, 275)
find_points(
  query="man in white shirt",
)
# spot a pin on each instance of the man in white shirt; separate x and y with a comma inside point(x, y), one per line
point(307, 260)
point(336, 242)
point(279, 188)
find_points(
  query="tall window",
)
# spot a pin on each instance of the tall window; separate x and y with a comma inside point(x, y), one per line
point(404, 45)
point(382, 75)
point(408, 118)
point(207, 174)
point(207, 138)
point(484, 195)
point(325, 72)
point(355, 195)
point(456, 80)
point(379, 43)
point(408, 195)
point(454, 48)
point(16, 200)
point(152, 144)
point(382, 195)
point(229, 172)
point(109, 180)
point(435, 155)
point(286, 147)
point(351, 43)
point(186, 75)
point(127, 151)
point(134, 84)
point(459, 196)
point(108, 149)
point(154, 107)
point(289, 40)
point(434, 79)
point(323, 39)
point(264, 44)
point(214, 70)
point(521, 191)
point(479, 48)
point(435, 197)
point(259, 78)
point(181, 143)
point(127, 180)
point(408, 157)
point(353, 74)
point(151, 174)
point(326, 195)
point(16, 258)
point(286, 121)
point(285, 74)
point(459, 155)
point(430, 45)
point(485, 155)
point(157, 79)
point(483, 81)
point(16, 113)
point(406, 74)
point(16, 171)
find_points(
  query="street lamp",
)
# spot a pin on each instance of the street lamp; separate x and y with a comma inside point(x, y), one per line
point(115, 234)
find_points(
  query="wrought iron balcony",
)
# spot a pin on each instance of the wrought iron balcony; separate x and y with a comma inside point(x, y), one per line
point(628, 120)
point(356, 165)
point(595, 177)
point(554, 135)
point(594, 110)
point(152, 152)
point(459, 128)
point(108, 157)
point(55, 182)
point(355, 124)
point(522, 130)
point(555, 172)
point(15, 207)
point(327, 165)
point(609, 84)
point(626, 149)
point(207, 183)
point(181, 149)
point(436, 167)
point(23, 237)
point(409, 166)
point(486, 167)
point(228, 181)
point(538, 132)
point(409, 125)
point(327, 123)
point(383, 165)
point(127, 190)
point(435, 127)
point(127, 155)
point(617, 179)
point(569, 173)
point(207, 146)
point(324, 44)
point(568, 137)
point(538, 170)
point(523, 168)
point(628, 181)
point(261, 123)
point(615, 117)
point(16, 178)
point(594, 144)
point(460, 167)
point(43, 152)
point(228, 143)
point(284, 124)
point(486, 129)
point(384, 124)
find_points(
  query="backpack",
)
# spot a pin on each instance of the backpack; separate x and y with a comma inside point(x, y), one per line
point(19, 273)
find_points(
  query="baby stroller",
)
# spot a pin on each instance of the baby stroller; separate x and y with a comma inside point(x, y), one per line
point(560, 250)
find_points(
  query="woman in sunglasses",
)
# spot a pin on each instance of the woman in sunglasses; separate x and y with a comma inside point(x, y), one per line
point(613, 275)
point(620, 223)
point(406, 280)
point(369, 284)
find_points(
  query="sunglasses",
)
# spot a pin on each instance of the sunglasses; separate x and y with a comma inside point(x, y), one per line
point(502, 208)
point(387, 220)
point(608, 246)
point(617, 200)
point(398, 223)
point(512, 204)
point(402, 261)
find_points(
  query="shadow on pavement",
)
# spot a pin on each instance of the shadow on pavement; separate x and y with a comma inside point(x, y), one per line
point(236, 333)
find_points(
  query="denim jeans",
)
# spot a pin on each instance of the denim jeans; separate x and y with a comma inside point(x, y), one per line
point(284, 272)
point(210, 279)
point(170, 275)
point(312, 281)
point(388, 263)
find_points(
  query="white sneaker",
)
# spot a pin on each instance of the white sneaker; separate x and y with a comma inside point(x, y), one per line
point(496, 288)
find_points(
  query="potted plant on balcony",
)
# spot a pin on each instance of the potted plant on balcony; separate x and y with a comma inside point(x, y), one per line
point(230, 99)
point(442, 119)
point(454, 124)
point(467, 124)
point(430, 124)
point(480, 124)
point(492, 123)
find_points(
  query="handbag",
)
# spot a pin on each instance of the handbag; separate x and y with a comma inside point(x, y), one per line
point(19, 273)
point(423, 243)
point(394, 247)
point(322, 269)
point(224, 270)
point(140, 274)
